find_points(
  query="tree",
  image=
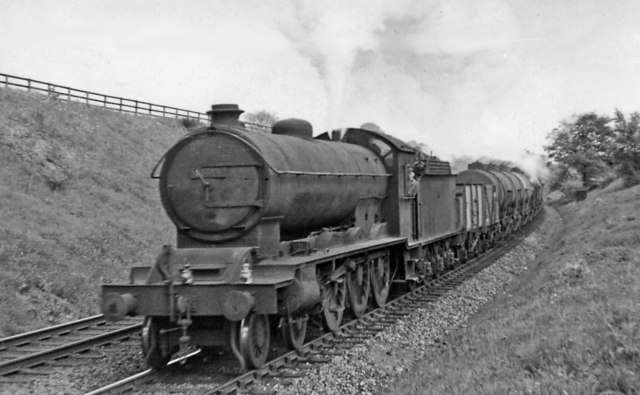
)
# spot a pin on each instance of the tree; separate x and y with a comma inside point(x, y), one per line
point(259, 120)
point(585, 144)
point(626, 153)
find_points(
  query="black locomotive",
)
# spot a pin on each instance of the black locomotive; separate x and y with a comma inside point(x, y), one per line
point(273, 228)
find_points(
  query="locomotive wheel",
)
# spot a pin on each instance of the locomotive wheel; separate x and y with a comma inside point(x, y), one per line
point(358, 287)
point(254, 339)
point(380, 279)
point(151, 347)
point(294, 330)
point(333, 304)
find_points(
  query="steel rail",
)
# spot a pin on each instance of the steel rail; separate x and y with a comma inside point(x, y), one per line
point(49, 332)
point(130, 382)
point(124, 384)
point(34, 359)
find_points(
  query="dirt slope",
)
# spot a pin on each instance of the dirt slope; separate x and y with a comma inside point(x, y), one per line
point(78, 205)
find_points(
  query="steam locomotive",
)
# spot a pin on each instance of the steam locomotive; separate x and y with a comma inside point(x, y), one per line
point(275, 228)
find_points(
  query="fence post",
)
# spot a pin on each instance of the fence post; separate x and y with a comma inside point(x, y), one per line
point(136, 108)
point(87, 94)
point(120, 104)
point(28, 85)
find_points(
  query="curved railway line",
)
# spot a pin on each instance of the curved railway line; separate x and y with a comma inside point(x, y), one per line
point(22, 354)
point(319, 350)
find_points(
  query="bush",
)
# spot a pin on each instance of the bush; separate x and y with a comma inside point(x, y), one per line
point(629, 173)
point(571, 184)
point(190, 123)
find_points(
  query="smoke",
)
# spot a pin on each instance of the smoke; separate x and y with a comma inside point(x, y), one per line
point(533, 165)
point(332, 34)
point(430, 71)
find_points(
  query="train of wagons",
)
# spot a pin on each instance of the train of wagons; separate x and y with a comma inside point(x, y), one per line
point(277, 229)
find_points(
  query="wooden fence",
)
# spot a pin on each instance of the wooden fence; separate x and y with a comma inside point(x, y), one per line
point(97, 99)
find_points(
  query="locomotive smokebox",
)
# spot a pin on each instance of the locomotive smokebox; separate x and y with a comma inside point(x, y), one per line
point(218, 184)
point(225, 114)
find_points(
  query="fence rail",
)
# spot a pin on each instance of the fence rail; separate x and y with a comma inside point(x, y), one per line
point(98, 99)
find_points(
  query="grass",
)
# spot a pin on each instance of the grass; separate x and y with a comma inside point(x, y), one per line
point(78, 205)
point(570, 326)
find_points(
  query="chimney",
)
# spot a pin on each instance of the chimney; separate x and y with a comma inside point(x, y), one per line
point(225, 115)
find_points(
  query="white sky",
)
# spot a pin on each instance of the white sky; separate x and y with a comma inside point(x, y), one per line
point(467, 77)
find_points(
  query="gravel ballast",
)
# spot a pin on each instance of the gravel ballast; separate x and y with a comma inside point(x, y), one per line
point(373, 366)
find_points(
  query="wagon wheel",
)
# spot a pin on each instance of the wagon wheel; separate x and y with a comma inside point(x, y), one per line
point(439, 260)
point(254, 340)
point(472, 248)
point(152, 350)
point(484, 245)
point(492, 239)
point(380, 279)
point(358, 287)
point(294, 330)
point(334, 295)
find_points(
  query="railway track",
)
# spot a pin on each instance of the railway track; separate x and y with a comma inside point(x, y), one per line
point(321, 349)
point(22, 355)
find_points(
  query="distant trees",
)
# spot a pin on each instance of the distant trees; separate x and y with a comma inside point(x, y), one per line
point(260, 120)
point(592, 147)
point(584, 144)
point(494, 165)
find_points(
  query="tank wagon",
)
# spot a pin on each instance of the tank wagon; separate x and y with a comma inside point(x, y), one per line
point(275, 228)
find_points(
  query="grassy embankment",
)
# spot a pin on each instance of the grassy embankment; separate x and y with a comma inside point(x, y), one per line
point(78, 205)
point(571, 325)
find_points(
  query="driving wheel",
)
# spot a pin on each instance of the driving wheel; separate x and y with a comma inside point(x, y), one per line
point(380, 279)
point(358, 287)
point(334, 296)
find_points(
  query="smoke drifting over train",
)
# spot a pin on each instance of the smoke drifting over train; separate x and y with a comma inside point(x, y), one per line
point(413, 64)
